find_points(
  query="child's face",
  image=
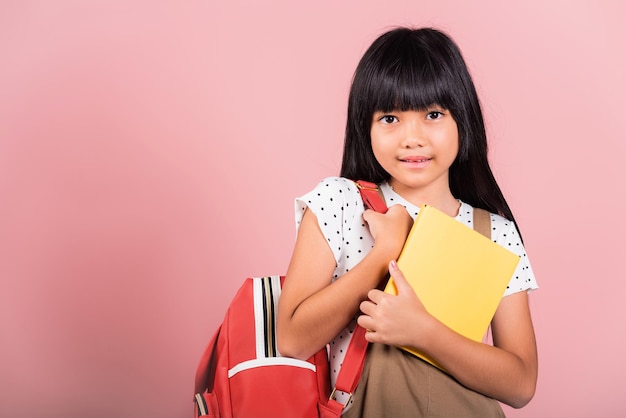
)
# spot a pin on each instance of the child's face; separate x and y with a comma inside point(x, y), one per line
point(416, 147)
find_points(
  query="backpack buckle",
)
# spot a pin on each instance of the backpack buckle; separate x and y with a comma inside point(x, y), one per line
point(334, 393)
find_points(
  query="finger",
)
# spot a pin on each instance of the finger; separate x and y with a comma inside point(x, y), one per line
point(370, 333)
point(375, 295)
point(371, 336)
point(367, 307)
point(366, 322)
point(398, 278)
point(368, 214)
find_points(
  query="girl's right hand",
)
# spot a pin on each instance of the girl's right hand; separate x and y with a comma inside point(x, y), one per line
point(389, 230)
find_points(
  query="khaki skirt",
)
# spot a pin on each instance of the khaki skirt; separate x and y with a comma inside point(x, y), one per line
point(396, 384)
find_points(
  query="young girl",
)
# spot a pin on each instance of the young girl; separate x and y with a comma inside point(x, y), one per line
point(414, 127)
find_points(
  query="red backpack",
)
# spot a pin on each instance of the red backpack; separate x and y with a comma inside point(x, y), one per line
point(241, 373)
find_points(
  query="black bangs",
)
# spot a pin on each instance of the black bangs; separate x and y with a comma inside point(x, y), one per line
point(410, 76)
point(402, 89)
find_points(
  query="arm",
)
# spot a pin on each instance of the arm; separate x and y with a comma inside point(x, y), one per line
point(312, 310)
point(506, 371)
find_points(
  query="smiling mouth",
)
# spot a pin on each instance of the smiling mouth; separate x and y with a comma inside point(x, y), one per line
point(415, 160)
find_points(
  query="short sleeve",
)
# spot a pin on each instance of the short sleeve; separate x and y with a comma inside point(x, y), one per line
point(505, 233)
point(336, 203)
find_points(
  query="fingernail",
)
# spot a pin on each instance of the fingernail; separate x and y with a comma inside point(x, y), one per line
point(393, 264)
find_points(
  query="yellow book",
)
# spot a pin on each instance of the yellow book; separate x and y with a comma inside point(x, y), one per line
point(458, 274)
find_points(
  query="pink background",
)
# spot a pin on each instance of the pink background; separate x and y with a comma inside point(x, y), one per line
point(150, 153)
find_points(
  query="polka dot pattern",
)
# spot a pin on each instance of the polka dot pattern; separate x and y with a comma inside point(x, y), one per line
point(337, 204)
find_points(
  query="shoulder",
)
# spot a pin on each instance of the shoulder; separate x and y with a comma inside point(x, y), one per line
point(500, 224)
point(331, 189)
point(337, 185)
point(502, 229)
point(504, 232)
point(332, 197)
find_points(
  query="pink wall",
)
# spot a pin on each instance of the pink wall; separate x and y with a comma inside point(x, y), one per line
point(139, 143)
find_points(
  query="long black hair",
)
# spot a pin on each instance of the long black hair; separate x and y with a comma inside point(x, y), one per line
point(412, 69)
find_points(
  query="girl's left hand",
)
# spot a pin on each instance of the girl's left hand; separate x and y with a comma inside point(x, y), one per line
point(398, 320)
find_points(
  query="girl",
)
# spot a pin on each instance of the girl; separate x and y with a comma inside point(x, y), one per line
point(415, 127)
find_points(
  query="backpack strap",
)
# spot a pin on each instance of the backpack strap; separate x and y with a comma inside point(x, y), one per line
point(482, 222)
point(371, 195)
point(205, 372)
point(205, 399)
point(350, 372)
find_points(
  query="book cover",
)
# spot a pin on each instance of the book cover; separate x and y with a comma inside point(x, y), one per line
point(458, 274)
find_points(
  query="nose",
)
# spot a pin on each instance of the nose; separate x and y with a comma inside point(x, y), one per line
point(413, 135)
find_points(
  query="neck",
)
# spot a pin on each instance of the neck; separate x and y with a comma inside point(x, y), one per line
point(440, 198)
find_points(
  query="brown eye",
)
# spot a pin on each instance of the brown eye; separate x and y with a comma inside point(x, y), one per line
point(434, 115)
point(388, 119)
